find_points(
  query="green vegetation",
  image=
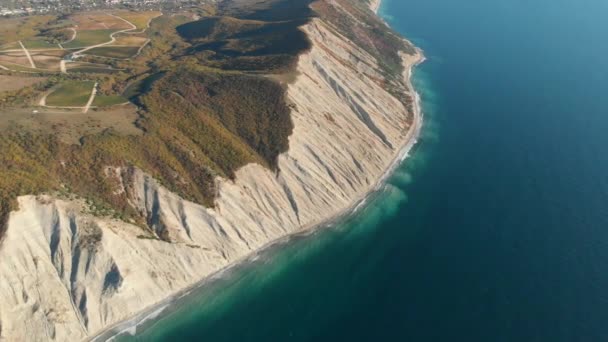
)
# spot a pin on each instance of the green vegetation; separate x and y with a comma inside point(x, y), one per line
point(198, 123)
point(71, 94)
point(25, 94)
point(258, 124)
point(14, 29)
point(139, 19)
point(19, 67)
point(114, 51)
point(88, 38)
point(108, 100)
point(10, 46)
point(233, 44)
point(91, 70)
point(206, 107)
point(39, 43)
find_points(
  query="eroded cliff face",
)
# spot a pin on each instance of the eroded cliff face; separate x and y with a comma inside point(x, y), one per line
point(67, 275)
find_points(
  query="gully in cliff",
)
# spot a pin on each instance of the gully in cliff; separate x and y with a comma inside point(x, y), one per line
point(268, 120)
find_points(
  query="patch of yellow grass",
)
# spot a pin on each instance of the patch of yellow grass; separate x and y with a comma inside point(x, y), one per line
point(139, 19)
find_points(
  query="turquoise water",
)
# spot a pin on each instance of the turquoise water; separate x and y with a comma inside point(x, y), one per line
point(496, 229)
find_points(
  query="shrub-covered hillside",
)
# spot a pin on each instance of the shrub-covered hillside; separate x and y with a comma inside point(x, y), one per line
point(206, 109)
point(206, 105)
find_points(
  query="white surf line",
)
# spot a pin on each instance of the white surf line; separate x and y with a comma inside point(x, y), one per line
point(91, 98)
point(27, 53)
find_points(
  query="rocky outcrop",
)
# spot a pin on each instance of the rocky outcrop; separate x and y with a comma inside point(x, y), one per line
point(67, 275)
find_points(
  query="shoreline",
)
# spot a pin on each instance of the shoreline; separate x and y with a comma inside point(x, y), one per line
point(374, 5)
point(129, 326)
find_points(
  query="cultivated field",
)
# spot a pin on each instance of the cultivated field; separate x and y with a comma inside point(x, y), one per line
point(120, 52)
point(108, 100)
point(83, 67)
point(15, 29)
point(130, 39)
point(70, 94)
point(70, 125)
point(39, 43)
point(10, 83)
point(48, 60)
point(99, 21)
point(88, 38)
point(10, 46)
point(139, 19)
point(18, 58)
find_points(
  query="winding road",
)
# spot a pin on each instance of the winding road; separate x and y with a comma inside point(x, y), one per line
point(112, 38)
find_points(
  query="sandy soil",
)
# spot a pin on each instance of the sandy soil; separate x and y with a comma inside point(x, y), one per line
point(47, 62)
point(8, 83)
point(52, 53)
point(11, 59)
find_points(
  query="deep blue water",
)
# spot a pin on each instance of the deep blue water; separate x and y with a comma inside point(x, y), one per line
point(495, 230)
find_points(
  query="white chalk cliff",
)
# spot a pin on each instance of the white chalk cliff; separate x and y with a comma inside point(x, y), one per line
point(67, 275)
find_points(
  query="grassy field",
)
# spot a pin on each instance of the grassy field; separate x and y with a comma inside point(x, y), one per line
point(9, 83)
point(83, 67)
point(48, 59)
point(51, 53)
point(114, 51)
point(90, 70)
point(39, 43)
point(130, 39)
point(23, 68)
point(108, 100)
point(98, 21)
point(71, 94)
point(14, 58)
point(14, 29)
point(139, 19)
point(10, 46)
point(47, 62)
point(88, 38)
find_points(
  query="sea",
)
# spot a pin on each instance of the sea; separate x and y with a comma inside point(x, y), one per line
point(495, 228)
